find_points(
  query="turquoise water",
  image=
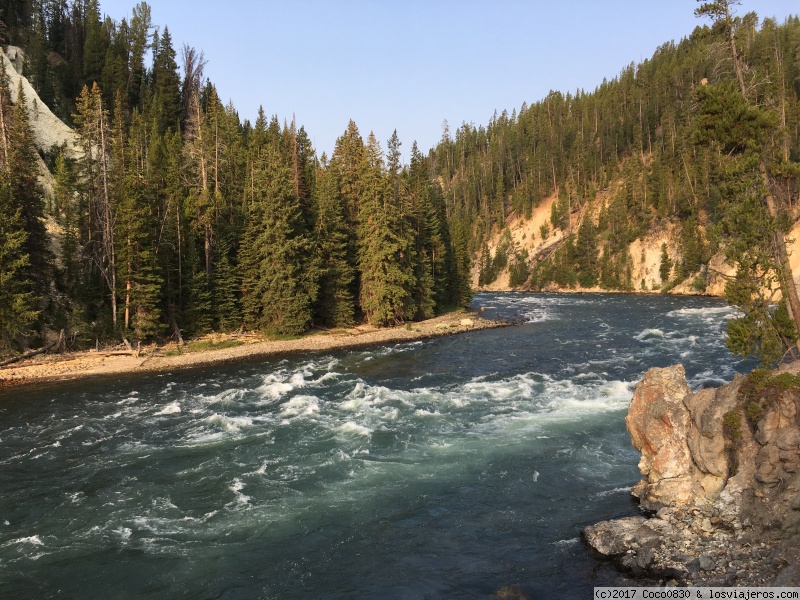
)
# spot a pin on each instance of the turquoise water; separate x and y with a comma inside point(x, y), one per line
point(441, 469)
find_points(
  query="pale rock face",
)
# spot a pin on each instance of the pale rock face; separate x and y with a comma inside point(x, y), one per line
point(777, 421)
point(687, 461)
point(659, 425)
point(706, 440)
point(655, 416)
point(48, 130)
point(713, 492)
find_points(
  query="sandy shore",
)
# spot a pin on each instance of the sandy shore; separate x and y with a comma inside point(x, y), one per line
point(63, 367)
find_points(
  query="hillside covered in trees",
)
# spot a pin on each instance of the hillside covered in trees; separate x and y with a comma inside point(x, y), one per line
point(172, 214)
point(702, 139)
point(176, 215)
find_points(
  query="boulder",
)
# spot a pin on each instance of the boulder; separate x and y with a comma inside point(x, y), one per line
point(612, 538)
point(715, 487)
point(659, 425)
point(706, 440)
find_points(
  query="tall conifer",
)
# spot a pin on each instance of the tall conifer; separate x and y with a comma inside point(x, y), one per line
point(385, 286)
point(29, 195)
point(167, 107)
point(279, 278)
point(335, 301)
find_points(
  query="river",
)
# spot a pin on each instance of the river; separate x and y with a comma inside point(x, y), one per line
point(449, 468)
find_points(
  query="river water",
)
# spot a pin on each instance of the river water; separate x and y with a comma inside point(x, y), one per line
point(449, 468)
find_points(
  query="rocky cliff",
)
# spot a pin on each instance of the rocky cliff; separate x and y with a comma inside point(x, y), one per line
point(645, 252)
point(720, 495)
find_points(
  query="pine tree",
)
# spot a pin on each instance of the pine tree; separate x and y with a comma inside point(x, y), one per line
point(427, 252)
point(29, 195)
point(198, 316)
point(752, 233)
point(197, 156)
point(167, 107)
point(335, 302)
point(227, 286)
point(95, 46)
point(17, 301)
point(279, 278)
point(92, 121)
point(135, 228)
point(385, 287)
point(165, 169)
point(665, 268)
point(586, 250)
point(20, 207)
point(461, 275)
point(115, 74)
point(440, 247)
point(139, 40)
point(407, 214)
point(719, 11)
point(69, 210)
point(347, 162)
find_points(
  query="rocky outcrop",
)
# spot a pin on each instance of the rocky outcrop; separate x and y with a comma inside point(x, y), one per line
point(721, 487)
point(48, 130)
point(681, 438)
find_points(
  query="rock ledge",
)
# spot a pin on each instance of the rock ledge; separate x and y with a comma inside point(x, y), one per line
point(720, 495)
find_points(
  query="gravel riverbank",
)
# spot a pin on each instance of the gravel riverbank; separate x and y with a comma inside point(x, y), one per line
point(62, 367)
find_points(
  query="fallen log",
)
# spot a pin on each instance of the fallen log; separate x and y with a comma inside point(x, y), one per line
point(32, 353)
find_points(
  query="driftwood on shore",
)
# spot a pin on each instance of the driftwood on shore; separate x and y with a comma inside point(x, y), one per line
point(92, 363)
point(46, 348)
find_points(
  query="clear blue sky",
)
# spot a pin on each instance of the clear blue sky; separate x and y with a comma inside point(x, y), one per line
point(410, 65)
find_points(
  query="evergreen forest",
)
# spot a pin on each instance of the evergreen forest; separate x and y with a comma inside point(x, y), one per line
point(175, 215)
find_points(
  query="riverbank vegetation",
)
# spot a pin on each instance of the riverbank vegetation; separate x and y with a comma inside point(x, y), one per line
point(172, 216)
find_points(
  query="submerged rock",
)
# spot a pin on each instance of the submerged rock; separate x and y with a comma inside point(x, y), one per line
point(720, 486)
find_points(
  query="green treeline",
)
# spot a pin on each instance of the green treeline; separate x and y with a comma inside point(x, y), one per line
point(175, 215)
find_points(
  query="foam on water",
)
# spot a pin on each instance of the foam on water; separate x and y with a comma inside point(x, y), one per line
point(300, 405)
point(173, 408)
point(649, 334)
point(715, 312)
point(236, 487)
point(421, 412)
point(274, 388)
point(33, 540)
point(232, 424)
point(350, 427)
point(616, 490)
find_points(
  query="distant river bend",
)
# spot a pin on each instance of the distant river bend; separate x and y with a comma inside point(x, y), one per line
point(449, 468)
